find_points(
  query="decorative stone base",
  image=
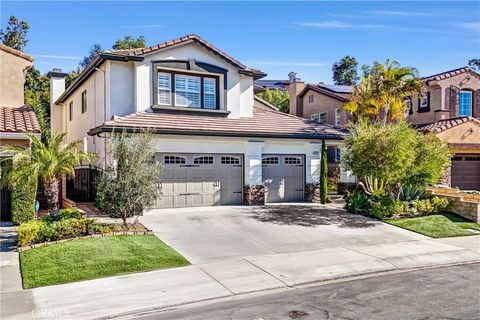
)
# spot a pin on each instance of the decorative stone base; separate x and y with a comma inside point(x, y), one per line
point(254, 195)
point(446, 179)
point(464, 204)
point(312, 192)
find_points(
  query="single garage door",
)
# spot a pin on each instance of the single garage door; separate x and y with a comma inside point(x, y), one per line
point(283, 178)
point(466, 172)
point(201, 180)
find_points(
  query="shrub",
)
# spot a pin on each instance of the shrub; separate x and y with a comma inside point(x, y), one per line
point(64, 214)
point(422, 207)
point(357, 202)
point(23, 201)
point(384, 206)
point(28, 232)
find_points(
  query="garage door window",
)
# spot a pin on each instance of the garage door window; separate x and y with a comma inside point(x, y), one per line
point(174, 160)
point(292, 160)
point(270, 160)
point(203, 160)
point(229, 160)
point(472, 158)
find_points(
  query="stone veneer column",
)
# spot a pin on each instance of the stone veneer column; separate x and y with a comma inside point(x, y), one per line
point(254, 191)
point(446, 179)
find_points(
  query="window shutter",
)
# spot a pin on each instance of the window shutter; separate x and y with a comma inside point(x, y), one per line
point(428, 100)
point(476, 109)
point(453, 100)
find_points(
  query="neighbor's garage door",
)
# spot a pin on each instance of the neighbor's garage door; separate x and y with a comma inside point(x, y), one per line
point(200, 180)
point(283, 178)
point(466, 172)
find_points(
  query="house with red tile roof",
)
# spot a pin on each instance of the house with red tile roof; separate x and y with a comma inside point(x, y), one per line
point(219, 144)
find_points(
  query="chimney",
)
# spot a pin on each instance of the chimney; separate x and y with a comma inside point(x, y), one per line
point(294, 88)
point(57, 87)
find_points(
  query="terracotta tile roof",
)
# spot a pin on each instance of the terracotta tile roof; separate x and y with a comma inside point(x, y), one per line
point(442, 125)
point(451, 73)
point(22, 119)
point(16, 52)
point(188, 38)
point(266, 122)
point(322, 90)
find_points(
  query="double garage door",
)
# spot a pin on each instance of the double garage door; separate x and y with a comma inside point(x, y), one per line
point(217, 179)
point(201, 180)
point(465, 173)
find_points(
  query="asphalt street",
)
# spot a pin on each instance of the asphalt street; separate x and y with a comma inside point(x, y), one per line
point(443, 293)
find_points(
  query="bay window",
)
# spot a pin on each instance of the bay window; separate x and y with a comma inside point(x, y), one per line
point(187, 90)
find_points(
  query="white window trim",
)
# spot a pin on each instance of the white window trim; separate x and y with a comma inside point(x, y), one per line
point(214, 94)
point(199, 92)
point(424, 101)
point(169, 88)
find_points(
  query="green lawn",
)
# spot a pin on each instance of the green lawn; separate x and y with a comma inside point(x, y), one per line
point(442, 225)
point(95, 258)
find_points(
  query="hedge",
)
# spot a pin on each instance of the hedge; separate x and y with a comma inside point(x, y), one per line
point(23, 198)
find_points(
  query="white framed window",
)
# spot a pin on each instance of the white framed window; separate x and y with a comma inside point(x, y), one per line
point(187, 91)
point(337, 117)
point(209, 93)
point(164, 89)
point(322, 118)
point(270, 160)
point(424, 101)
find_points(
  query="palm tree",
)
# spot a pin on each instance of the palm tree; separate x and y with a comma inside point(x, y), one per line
point(363, 104)
point(392, 84)
point(45, 162)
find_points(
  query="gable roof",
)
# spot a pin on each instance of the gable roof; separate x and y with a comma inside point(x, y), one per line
point(319, 89)
point(442, 125)
point(337, 88)
point(20, 119)
point(267, 84)
point(266, 122)
point(451, 73)
point(184, 40)
point(138, 55)
point(16, 52)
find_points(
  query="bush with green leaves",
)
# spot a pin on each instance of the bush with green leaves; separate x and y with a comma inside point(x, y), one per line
point(279, 99)
point(422, 207)
point(28, 232)
point(395, 154)
point(23, 199)
point(64, 214)
point(357, 202)
point(130, 187)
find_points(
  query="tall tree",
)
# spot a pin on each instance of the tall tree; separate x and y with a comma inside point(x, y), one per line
point(323, 174)
point(474, 63)
point(37, 95)
point(47, 162)
point(94, 51)
point(345, 71)
point(276, 97)
point(363, 104)
point(128, 42)
point(15, 34)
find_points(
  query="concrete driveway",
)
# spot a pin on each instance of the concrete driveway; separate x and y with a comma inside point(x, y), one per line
point(209, 234)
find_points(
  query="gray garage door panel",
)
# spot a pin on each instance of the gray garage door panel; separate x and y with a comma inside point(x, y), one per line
point(200, 180)
point(283, 177)
point(465, 172)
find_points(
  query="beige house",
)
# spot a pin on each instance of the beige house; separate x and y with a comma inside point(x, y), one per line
point(15, 118)
point(450, 108)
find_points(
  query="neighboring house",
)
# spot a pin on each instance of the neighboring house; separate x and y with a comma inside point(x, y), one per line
point(264, 85)
point(219, 144)
point(323, 104)
point(451, 109)
point(16, 119)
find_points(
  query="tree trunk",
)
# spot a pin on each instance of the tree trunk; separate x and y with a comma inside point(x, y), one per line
point(51, 192)
point(385, 116)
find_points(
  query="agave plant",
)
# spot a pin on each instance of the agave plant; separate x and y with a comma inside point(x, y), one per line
point(410, 192)
point(373, 185)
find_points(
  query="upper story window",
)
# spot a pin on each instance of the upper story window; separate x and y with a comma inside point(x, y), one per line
point(310, 98)
point(70, 111)
point(187, 90)
point(84, 101)
point(465, 105)
point(337, 117)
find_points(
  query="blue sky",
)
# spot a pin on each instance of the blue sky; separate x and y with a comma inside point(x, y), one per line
point(277, 37)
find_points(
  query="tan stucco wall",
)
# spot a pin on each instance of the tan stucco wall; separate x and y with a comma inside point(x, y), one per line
point(463, 134)
point(437, 98)
point(323, 103)
point(14, 142)
point(12, 78)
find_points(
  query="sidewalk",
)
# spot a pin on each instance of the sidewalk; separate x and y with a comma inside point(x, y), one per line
point(15, 303)
point(123, 295)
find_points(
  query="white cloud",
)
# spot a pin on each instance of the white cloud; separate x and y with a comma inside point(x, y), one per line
point(338, 25)
point(286, 63)
point(49, 56)
point(474, 26)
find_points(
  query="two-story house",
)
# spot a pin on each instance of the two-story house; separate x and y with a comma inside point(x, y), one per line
point(16, 119)
point(450, 108)
point(219, 144)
